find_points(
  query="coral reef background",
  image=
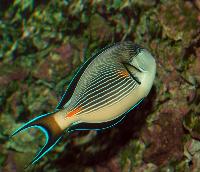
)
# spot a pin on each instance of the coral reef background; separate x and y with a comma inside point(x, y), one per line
point(42, 43)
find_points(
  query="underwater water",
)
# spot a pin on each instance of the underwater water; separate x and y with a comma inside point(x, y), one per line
point(42, 44)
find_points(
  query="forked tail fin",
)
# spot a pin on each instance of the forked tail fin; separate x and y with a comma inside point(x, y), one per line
point(47, 124)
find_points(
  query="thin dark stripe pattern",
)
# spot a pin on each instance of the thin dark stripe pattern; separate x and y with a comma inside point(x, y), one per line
point(100, 84)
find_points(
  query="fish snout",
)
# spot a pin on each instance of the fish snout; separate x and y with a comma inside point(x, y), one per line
point(144, 61)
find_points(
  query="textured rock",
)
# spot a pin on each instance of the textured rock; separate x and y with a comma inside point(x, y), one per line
point(43, 43)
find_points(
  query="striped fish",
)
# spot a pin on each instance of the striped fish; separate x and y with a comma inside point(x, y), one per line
point(104, 89)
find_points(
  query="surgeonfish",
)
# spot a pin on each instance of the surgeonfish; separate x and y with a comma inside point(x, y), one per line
point(103, 90)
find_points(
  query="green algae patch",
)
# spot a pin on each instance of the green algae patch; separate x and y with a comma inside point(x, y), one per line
point(192, 124)
point(132, 154)
point(179, 21)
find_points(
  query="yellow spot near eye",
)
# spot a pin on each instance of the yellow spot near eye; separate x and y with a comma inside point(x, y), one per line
point(73, 112)
point(123, 73)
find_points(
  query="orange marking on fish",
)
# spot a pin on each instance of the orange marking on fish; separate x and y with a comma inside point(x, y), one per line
point(73, 112)
point(123, 73)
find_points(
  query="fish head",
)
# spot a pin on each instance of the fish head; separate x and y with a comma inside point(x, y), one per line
point(142, 66)
point(142, 60)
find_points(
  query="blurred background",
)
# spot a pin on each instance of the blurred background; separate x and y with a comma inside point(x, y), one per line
point(42, 43)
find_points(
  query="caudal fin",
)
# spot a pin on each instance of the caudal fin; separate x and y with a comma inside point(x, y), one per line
point(47, 124)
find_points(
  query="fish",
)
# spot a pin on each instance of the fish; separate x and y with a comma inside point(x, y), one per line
point(103, 90)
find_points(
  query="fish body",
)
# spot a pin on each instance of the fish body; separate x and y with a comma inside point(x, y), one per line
point(105, 88)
